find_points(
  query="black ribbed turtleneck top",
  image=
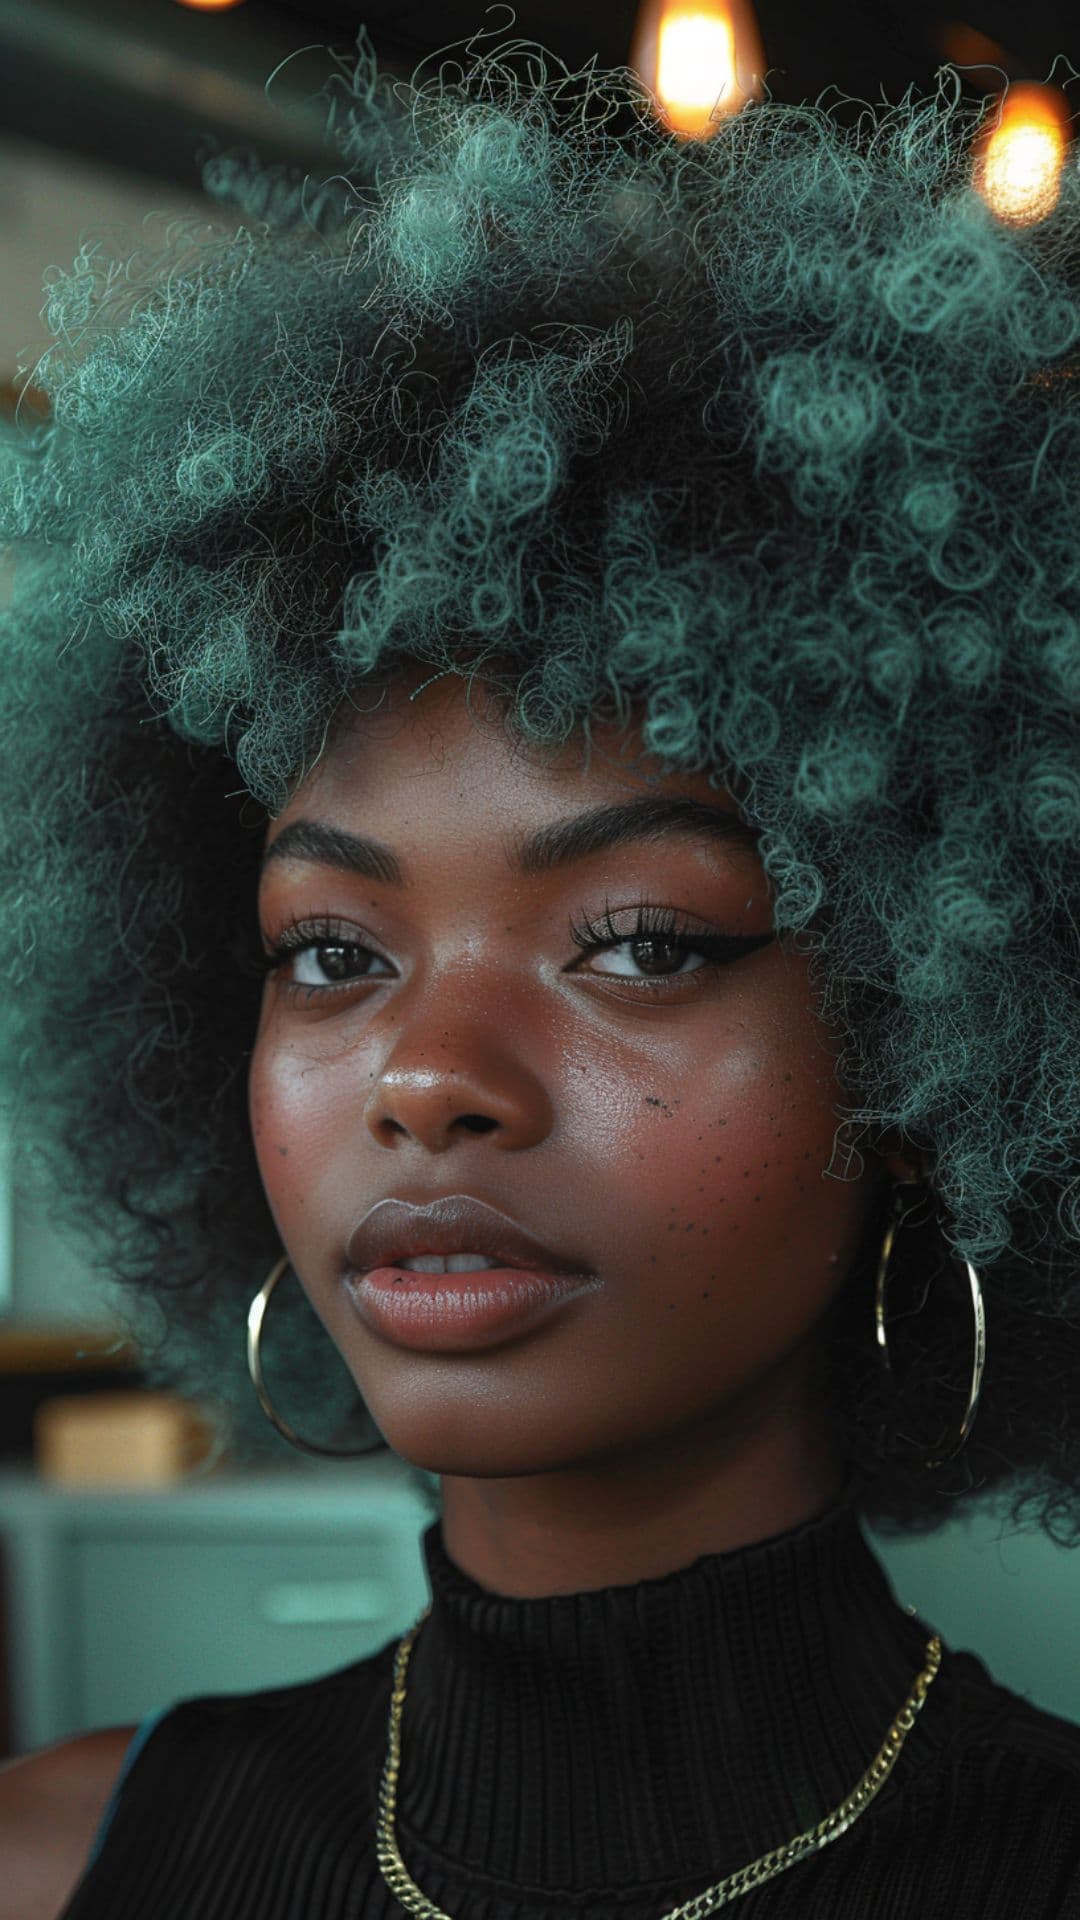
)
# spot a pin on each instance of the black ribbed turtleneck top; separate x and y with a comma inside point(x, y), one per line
point(612, 1753)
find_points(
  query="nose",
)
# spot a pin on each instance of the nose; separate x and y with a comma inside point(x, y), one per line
point(438, 1087)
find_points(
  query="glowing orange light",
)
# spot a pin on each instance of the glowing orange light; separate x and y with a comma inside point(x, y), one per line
point(965, 46)
point(702, 59)
point(1020, 153)
point(210, 6)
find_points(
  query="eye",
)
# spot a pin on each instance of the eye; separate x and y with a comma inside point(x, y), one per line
point(659, 943)
point(323, 949)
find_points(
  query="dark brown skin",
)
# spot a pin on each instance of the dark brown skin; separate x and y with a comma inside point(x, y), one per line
point(51, 1804)
point(677, 1138)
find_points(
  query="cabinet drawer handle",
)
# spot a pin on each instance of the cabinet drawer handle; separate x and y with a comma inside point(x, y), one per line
point(326, 1603)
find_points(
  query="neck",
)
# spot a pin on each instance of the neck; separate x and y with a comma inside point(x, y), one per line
point(650, 1738)
point(640, 1515)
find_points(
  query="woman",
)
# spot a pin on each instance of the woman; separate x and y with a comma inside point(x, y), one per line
point(541, 726)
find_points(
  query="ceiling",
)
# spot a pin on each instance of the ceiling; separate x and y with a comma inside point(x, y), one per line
point(146, 84)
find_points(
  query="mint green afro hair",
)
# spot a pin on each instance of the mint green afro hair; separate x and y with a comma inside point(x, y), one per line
point(775, 433)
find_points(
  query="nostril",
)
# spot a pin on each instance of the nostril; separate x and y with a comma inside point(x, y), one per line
point(478, 1122)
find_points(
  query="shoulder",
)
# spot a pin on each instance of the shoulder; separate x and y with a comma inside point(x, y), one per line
point(1007, 1728)
point(994, 1797)
point(330, 1706)
point(186, 1763)
point(50, 1805)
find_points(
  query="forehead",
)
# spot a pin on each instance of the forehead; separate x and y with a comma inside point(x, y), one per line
point(454, 736)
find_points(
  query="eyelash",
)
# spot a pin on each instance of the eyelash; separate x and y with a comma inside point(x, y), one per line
point(653, 923)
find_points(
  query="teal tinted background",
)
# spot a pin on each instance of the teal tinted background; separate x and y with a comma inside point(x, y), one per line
point(1011, 1598)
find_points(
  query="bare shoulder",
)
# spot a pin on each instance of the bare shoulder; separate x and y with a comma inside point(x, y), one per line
point(51, 1803)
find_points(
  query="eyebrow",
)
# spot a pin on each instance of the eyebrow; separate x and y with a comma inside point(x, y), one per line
point(650, 818)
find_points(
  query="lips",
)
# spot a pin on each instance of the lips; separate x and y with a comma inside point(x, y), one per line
point(394, 1230)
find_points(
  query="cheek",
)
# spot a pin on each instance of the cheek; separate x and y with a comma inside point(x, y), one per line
point(292, 1125)
point(722, 1151)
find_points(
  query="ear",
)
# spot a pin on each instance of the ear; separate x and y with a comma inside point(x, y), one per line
point(903, 1162)
point(901, 1166)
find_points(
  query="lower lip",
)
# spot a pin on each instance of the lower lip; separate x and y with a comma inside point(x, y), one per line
point(454, 1312)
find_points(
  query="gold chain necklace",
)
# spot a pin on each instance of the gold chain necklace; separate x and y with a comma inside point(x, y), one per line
point(405, 1889)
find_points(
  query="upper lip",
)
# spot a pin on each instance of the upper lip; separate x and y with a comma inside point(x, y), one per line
point(394, 1230)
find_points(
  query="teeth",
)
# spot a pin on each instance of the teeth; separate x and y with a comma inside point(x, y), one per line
point(453, 1263)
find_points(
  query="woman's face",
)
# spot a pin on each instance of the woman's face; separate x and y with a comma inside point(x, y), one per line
point(666, 1119)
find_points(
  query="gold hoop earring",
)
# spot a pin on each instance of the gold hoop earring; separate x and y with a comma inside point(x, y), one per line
point(255, 1318)
point(978, 1310)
